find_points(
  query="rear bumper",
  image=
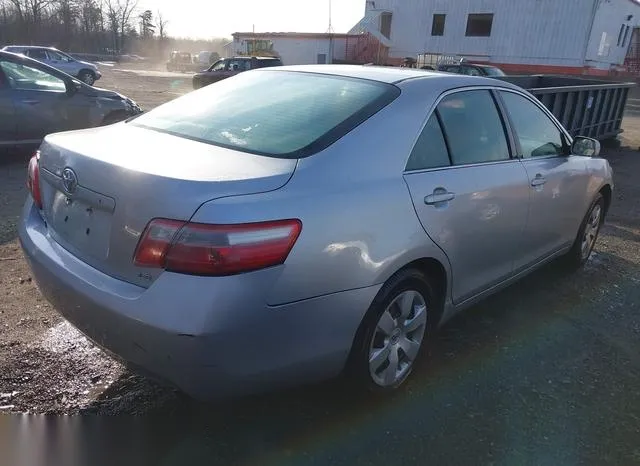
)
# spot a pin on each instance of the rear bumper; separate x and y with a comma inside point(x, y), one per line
point(210, 337)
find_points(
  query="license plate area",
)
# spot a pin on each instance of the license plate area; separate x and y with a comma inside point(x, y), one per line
point(81, 224)
point(82, 220)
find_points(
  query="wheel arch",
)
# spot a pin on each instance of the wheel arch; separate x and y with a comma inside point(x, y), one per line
point(607, 194)
point(438, 275)
point(433, 263)
point(87, 70)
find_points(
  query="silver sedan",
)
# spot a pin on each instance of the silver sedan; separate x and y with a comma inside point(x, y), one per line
point(292, 224)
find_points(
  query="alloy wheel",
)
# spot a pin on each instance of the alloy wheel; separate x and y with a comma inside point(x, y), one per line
point(591, 231)
point(397, 339)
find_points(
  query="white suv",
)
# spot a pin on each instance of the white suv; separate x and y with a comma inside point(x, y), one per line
point(86, 72)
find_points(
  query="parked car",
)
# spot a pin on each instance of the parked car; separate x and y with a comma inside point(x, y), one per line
point(327, 226)
point(472, 69)
point(184, 62)
point(207, 58)
point(36, 99)
point(227, 67)
point(86, 72)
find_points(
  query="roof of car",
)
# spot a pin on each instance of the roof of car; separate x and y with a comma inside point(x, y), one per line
point(393, 75)
point(253, 58)
point(26, 47)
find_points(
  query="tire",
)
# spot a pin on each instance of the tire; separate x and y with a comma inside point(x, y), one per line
point(587, 235)
point(375, 350)
point(87, 77)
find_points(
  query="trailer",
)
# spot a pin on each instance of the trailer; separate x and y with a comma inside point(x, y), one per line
point(585, 107)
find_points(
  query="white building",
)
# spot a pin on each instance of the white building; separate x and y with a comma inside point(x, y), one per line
point(294, 48)
point(540, 36)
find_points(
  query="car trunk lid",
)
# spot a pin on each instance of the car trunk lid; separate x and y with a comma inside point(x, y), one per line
point(101, 187)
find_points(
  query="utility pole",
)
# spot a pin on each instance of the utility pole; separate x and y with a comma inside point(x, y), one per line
point(330, 29)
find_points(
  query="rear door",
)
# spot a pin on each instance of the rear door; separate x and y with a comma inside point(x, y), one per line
point(39, 98)
point(63, 63)
point(470, 195)
point(7, 112)
point(558, 180)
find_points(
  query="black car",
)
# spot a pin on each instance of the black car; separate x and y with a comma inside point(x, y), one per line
point(227, 67)
point(37, 99)
point(472, 69)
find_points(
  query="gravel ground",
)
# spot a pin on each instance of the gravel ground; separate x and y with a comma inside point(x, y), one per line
point(546, 372)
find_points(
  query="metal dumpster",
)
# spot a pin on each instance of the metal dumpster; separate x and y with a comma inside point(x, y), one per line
point(586, 107)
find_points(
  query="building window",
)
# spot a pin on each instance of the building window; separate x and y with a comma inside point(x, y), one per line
point(437, 27)
point(620, 35)
point(479, 25)
point(626, 35)
point(385, 24)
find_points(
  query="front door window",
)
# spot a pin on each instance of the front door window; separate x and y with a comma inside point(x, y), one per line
point(24, 77)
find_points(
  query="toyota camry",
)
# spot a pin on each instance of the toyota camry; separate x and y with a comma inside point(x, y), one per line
point(292, 224)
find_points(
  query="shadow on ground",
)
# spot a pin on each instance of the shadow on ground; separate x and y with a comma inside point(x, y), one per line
point(13, 192)
point(545, 372)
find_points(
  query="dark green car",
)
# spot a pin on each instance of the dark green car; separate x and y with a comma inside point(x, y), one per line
point(36, 100)
point(472, 69)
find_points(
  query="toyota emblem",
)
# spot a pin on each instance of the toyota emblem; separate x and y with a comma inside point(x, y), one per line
point(69, 181)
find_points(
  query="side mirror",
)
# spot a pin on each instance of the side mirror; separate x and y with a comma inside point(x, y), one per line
point(586, 147)
point(72, 88)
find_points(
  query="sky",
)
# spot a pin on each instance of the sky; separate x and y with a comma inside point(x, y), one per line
point(206, 19)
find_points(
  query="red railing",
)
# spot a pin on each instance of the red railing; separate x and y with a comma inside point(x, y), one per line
point(365, 48)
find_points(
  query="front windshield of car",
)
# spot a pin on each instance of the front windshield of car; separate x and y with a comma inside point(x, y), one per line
point(280, 114)
point(493, 71)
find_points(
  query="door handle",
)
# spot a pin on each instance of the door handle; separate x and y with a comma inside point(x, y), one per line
point(30, 101)
point(439, 196)
point(539, 180)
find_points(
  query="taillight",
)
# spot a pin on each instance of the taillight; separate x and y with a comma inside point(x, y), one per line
point(204, 249)
point(33, 179)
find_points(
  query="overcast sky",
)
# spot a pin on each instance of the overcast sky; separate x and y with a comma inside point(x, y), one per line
point(219, 18)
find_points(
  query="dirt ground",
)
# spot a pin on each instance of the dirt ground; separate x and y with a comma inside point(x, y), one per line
point(548, 369)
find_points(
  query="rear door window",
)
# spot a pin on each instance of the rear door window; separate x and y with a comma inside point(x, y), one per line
point(471, 71)
point(473, 127)
point(239, 65)
point(430, 150)
point(36, 54)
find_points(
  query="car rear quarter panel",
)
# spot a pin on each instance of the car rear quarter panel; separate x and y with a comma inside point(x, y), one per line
point(359, 224)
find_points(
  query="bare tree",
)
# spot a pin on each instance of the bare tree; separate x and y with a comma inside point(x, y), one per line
point(67, 12)
point(119, 16)
point(93, 26)
point(161, 22)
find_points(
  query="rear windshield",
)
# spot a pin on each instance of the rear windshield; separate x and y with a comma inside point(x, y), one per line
point(282, 114)
point(491, 71)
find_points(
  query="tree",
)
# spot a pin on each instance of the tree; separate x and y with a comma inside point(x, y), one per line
point(162, 25)
point(119, 15)
point(147, 28)
point(68, 13)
